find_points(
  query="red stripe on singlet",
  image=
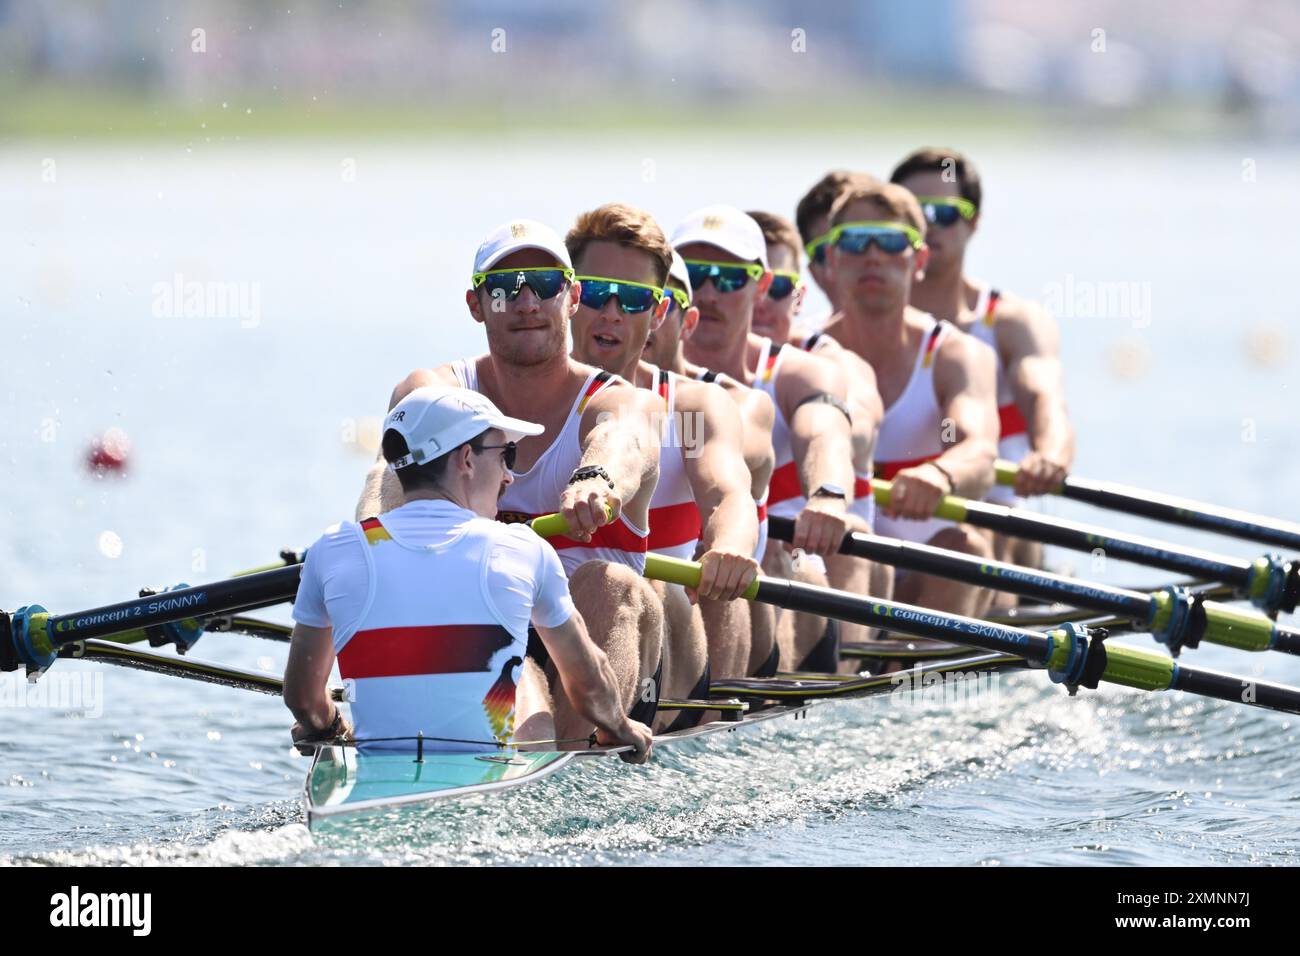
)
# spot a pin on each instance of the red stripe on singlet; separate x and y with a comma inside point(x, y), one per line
point(409, 651)
point(784, 484)
point(1011, 421)
point(672, 525)
point(888, 469)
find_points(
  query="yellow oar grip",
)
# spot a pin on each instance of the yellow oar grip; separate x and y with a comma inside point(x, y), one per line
point(657, 567)
point(950, 508)
point(685, 573)
point(550, 526)
point(1005, 471)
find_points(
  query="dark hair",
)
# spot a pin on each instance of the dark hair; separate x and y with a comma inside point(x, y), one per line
point(426, 475)
point(933, 159)
point(779, 231)
point(817, 202)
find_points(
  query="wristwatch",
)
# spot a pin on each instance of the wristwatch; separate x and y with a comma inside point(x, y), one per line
point(590, 471)
point(828, 490)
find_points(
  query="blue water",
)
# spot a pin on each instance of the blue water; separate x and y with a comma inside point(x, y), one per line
point(251, 435)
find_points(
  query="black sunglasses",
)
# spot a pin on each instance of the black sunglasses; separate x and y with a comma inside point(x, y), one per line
point(509, 450)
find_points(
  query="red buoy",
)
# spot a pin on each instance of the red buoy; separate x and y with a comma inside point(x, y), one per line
point(110, 452)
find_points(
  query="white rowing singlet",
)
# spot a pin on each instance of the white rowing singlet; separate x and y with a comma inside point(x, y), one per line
point(538, 490)
point(675, 525)
point(911, 433)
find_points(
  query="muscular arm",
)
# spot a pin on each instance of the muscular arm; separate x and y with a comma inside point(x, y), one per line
point(965, 382)
point(757, 414)
point(864, 403)
point(620, 433)
point(716, 468)
point(587, 676)
point(1028, 342)
point(311, 656)
point(381, 491)
point(820, 434)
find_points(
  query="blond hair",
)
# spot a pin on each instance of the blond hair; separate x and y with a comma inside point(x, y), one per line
point(625, 225)
point(895, 203)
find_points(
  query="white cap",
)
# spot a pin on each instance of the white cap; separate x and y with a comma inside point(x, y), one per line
point(725, 227)
point(519, 234)
point(437, 418)
point(678, 271)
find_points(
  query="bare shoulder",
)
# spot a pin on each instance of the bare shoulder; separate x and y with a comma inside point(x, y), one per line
point(756, 406)
point(804, 370)
point(441, 375)
point(855, 366)
point(620, 394)
point(696, 396)
point(1020, 318)
point(962, 357)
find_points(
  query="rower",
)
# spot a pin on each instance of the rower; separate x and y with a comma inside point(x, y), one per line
point(939, 432)
point(664, 349)
point(812, 216)
point(774, 316)
point(1034, 424)
point(598, 469)
point(427, 608)
point(726, 259)
point(701, 502)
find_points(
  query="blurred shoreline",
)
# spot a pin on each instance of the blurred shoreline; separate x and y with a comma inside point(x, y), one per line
point(36, 112)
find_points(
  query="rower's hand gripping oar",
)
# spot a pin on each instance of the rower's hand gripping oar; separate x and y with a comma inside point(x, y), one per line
point(1071, 654)
point(1170, 509)
point(1270, 583)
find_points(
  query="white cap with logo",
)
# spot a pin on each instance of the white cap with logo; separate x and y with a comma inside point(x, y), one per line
point(437, 418)
point(678, 271)
point(519, 234)
point(725, 227)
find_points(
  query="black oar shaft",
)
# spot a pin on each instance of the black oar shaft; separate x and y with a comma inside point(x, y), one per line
point(1066, 652)
point(1080, 537)
point(1222, 624)
point(1234, 689)
point(1174, 510)
point(235, 594)
point(992, 574)
point(123, 655)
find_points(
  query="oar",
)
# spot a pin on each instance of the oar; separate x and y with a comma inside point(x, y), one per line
point(1269, 582)
point(1072, 656)
point(1041, 617)
point(1173, 616)
point(124, 655)
point(1171, 509)
point(31, 637)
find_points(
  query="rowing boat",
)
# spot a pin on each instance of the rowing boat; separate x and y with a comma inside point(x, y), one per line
point(346, 780)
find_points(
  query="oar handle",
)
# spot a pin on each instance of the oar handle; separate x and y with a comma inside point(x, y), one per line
point(657, 567)
point(1005, 471)
point(950, 507)
point(687, 574)
point(550, 526)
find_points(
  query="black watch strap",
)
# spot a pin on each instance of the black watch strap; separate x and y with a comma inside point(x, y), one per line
point(830, 400)
point(590, 471)
point(827, 490)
